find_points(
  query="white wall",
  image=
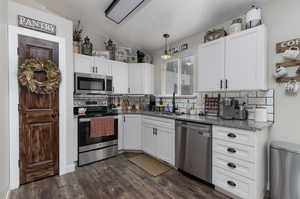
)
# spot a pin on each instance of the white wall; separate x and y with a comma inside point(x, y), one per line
point(281, 19)
point(4, 132)
point(65, 30)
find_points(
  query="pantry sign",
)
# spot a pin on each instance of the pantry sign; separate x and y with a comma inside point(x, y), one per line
point(33, 24)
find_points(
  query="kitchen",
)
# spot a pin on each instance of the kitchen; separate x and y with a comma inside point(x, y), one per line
point(225, 92)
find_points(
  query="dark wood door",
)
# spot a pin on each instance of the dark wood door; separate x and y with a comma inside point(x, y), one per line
point(39, 130)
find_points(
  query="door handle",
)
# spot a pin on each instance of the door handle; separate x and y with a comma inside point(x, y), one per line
point(221, 84)
point(231, 183)
point(231, 135)
point(54, 115)
point(231, 150)
point(231, 165)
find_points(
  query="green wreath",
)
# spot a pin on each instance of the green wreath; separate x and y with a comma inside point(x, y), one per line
point(26, 76)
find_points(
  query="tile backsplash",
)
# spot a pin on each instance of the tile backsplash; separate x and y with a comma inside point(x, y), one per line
point(253, 99)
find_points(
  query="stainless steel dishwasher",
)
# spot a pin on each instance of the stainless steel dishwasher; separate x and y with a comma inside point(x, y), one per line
point(193, 149)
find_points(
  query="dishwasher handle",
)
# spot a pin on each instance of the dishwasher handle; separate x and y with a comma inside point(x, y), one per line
point(196, 128)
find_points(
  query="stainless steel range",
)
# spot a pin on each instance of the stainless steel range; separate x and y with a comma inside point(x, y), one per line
point(92, 149)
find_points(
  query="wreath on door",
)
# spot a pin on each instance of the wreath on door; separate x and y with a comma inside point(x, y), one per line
point(27, 76)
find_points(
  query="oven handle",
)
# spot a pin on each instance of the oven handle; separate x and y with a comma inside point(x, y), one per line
point(89, 119)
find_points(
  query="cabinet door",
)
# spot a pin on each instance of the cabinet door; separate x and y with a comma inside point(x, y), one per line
point(120, 132)
point(136, 80)
point(132, 132)
point(83, 63)
point(166, 143)
point(211, 66)
point(149, 144)
point(103, 66)
point(149, 79)
point(120, 77)
point(245, 67)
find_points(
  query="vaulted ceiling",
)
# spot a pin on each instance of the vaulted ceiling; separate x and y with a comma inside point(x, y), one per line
point(144, 27)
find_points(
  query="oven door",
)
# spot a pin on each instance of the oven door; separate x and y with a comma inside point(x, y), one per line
point(89, 84)
point(84, 138)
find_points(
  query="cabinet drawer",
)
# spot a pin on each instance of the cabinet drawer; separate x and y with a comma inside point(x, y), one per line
point(234, 184)
point(159, 122)
point(234, 135)
point(241, 152)
point(233, 165)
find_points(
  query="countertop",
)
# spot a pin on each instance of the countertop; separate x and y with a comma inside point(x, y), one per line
point(249, 125)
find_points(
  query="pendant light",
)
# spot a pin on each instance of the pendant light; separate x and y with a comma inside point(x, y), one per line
point(166, 55)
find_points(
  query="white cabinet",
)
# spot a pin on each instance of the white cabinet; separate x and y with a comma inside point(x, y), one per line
point(246, 60)
point(158, 138)
point(236, 62)
point(211, 70)
point(120, 132)
point(141, 78)
point(92, 65)
point(120, 77)
point(240, 161)
point(84, 64)
point(75, 138)
point(132, 132)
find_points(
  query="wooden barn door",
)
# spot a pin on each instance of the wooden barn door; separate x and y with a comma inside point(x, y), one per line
point(39, 130)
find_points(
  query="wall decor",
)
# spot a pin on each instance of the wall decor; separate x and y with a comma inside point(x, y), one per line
point(87, 47)
point(123, 54)
point(112, 48)
point(286, 45)
point(214, 34)
point(26, 76)
point(33, 24)
point(180, 48)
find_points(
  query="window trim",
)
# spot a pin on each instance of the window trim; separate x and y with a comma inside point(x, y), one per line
point(164, 76)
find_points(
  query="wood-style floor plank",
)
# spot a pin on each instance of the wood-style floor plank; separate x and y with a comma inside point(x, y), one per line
point(116, 178)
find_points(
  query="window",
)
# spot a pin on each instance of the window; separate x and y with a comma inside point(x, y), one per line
point(179, 76)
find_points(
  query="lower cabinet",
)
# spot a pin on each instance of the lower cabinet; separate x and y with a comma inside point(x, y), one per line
point(240, 162)
point(132, 132)
point(158, 138)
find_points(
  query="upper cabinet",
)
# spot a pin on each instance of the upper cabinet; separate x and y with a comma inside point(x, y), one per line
point(211, 70)
point(245, 62)
point(92, 65)
point(141, 79)
point(120, 77)
point(236, 62)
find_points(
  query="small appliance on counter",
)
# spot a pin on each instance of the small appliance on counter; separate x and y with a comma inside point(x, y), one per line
point(230, 109)
point(152, 103)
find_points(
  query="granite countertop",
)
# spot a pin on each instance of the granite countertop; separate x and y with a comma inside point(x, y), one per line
point(244, 125)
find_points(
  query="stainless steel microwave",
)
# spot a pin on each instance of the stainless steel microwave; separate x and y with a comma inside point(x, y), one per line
point(92, 84)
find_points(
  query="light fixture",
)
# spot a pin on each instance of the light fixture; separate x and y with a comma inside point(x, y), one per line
point(166, 55)
point(120, 9)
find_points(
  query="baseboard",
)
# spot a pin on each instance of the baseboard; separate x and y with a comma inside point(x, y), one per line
point(70, 168)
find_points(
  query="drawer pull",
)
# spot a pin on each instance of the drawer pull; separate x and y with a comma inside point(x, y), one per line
point(231, 150)
point(231, 165)
point(229, 182)
point(231, 135)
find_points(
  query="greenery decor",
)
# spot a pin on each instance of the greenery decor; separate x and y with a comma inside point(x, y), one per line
point(27, 76)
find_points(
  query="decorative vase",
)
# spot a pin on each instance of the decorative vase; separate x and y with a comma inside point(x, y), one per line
point(76, 46)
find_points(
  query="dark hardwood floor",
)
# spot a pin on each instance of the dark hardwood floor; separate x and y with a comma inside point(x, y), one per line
point(116, 178)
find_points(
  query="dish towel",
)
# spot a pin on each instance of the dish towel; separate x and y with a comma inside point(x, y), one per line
point(102, 126)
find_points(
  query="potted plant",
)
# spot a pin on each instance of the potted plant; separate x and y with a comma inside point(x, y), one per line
point(77, 31)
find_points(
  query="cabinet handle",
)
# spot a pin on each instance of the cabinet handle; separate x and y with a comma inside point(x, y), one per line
point(231, 165)
point(226, 83)
point(221, 84)
point(231, 135)
point(93, 69)
point(231, 150)
point(231, 183)
point(128, 90)
point(124, 119)
point(96, 69)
